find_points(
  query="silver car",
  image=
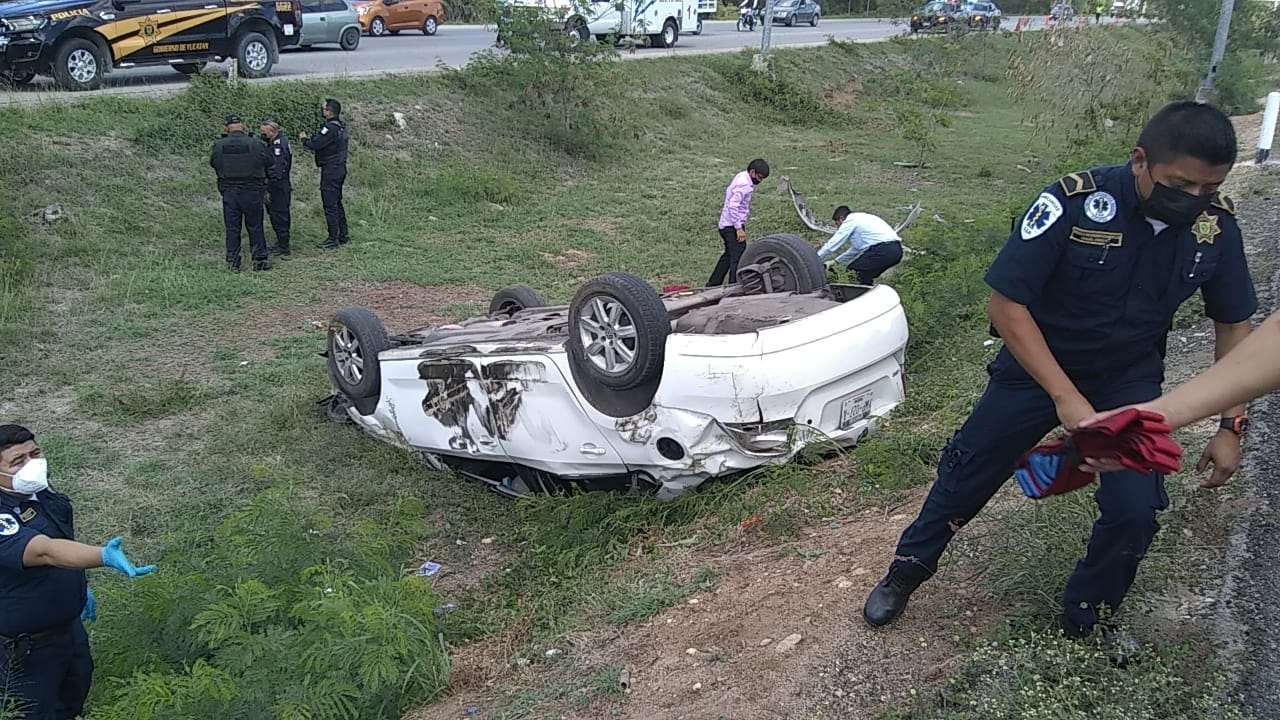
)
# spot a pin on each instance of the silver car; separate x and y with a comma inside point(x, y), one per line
point(330, 21)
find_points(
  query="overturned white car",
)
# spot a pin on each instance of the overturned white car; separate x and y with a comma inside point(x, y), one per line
point(627, 387)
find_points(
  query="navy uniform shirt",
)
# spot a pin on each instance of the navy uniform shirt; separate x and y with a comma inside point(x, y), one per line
point(1103, 282)
point(330, 145)
point(38, 598)
point(282, 154)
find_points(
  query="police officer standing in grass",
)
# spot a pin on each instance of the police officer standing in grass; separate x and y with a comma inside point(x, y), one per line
point(280, 190)
point(45, 664)
point(244, 168)
point(330, 146)
point(1083, 295)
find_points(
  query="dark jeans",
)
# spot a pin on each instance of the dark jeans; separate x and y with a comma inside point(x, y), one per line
point(278, 209)
point(335, 215)
point(727, 265)
point(50, 678)
point(1012, 416)
point(872, 263)
point(243, 206)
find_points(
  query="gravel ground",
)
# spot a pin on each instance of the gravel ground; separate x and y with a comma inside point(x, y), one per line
point(1252, 622)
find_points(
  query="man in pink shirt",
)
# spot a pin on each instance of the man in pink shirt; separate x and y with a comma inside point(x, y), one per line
point(733, 219)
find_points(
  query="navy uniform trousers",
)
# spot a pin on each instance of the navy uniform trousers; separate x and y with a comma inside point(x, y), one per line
point(1013, 415)
point(52, 673)
point(243, 207)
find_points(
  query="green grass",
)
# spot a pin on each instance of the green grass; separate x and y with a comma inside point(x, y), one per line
point(174, 398)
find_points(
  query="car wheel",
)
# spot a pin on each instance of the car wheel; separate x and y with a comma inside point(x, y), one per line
point(14, 78)
point(618, 331)
point(669, 35)
point(190, 68)
point(788, 263)
point(78, 65)
point(514, 298)
point(430, 26)
point(791, 21)
point(697, 29)
point(813, 22)
point(377, 27)
point(578, 31)
point(253, 56)
point(350, 39)
point(356, 338)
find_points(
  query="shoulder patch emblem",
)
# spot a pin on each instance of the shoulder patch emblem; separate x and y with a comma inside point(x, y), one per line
point(8, 525)
point(1224, 203)
point(324, 130)
point(1044, 212)
point(1078, 183)
point(1100, 207)
point(1096, 237)
point(279, 151)
point(1205, 229)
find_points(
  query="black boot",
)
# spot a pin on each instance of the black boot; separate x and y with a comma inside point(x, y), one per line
point(328, 244)
point(280, 249)
point(889, 597)
point(1121, 648)
point(261, 265)
point(233, 266)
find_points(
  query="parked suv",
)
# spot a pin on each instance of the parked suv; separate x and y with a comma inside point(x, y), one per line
point(80, 41)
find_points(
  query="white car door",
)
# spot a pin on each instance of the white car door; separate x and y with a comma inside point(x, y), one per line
point(439, 405)
point(540, 423)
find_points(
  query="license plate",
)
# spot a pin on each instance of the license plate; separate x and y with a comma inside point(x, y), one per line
point(288, 30)
point(853, 409)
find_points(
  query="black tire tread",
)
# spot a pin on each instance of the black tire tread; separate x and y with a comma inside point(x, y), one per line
point(794, 247)
point(525, 295)
point(373, 338)
point(653, 325)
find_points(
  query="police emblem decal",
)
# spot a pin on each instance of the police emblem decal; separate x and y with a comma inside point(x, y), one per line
point(1044, 212)
point(1100, 207)
point(8, 525)
point(1205, 229)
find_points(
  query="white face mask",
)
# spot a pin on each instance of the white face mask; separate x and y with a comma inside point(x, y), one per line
point(32, 477)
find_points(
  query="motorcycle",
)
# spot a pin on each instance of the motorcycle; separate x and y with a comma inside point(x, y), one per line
point(746, 19)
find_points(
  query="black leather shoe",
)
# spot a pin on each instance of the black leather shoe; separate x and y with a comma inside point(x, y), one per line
point(344, 239)
point(328, 244)
point(261, 265)
point(1121, 648)
point(280, 250)
point(233, 267)
point(889, 598)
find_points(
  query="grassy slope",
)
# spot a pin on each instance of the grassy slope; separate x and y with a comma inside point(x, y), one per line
point(169, 392)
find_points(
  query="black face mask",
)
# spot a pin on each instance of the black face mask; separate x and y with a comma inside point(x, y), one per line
point(1173, 206)
point(755, 181)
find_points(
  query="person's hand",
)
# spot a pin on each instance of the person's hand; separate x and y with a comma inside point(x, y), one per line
point(90, 611)
point(113, 557)
point(302, 135)
point(1223, 453)
point(1074, 410)
point(828, 263)
point(742, 235)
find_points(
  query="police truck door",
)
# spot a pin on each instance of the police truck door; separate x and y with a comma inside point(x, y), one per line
point(176, 30)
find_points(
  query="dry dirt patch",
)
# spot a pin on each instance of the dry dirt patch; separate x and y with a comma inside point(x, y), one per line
point(843, 96)
point(761, 642)
point(571, 259)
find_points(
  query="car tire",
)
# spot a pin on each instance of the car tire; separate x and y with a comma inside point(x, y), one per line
point(17, 78)
point(190, 68)
point(430, 26)
point(377, 27)
point(514, 298)
point(697, 29)
point(668, 37)
point(802, 270)
point(78, 64)
point(791, 21)
point(356, 338)
point(579, 28)
point(349, 39)
point(613, 315)
point(253, 56)
point(813, 22)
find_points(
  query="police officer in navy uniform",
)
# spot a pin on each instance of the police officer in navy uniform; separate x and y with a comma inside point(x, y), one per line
point(244, 168)
point(330, 146)
point(45, 665)
point(280, 190)
point(1083, 293)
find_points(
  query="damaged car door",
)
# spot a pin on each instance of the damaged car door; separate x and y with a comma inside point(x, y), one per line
point(540, 423)
point(455, 407)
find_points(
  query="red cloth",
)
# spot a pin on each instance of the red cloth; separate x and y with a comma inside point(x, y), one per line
point(1139, 440)
point(675, 288)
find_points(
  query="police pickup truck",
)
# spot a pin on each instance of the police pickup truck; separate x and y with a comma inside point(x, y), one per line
point(78, 41)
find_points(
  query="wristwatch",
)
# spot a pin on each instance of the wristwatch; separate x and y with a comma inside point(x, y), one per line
point(1238, 425)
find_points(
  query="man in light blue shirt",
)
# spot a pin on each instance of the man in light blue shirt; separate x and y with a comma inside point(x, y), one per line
point(874, 246)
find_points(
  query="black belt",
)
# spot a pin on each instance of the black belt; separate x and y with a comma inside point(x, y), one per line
point(19, 646)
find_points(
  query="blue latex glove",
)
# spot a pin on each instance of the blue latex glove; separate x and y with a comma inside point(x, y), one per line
point(113, 557)
point(90, 611)
point(1039, 474)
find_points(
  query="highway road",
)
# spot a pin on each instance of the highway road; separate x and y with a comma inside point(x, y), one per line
point(454, 45)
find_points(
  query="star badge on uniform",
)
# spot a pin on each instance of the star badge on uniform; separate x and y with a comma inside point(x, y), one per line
point(1205, 228)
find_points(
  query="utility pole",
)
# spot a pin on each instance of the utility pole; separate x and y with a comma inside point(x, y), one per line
point(1219, 49)
point(766, 34)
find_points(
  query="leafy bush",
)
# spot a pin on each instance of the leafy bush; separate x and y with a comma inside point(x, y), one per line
point(279, 613)
point(775, 92)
